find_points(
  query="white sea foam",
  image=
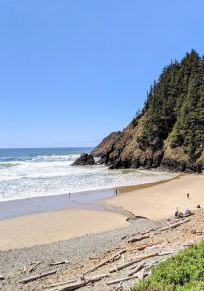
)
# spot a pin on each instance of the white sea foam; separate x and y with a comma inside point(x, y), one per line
point(45, 175)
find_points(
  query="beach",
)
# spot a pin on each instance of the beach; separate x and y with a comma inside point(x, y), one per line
point(161, 200)
point(83, 237)
point(153, 201)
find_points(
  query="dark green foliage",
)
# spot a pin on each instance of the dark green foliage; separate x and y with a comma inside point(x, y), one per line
point(175, 108)
point(183, 272)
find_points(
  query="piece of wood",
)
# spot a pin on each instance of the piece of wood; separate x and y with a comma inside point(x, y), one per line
point(174, 225)
point(136, 260)
point(96, 278)
point(25, 268)
point(137, 269)
point(148, 231)
point(121, 280)
point(122, 259)
point(34, 267)
point(141, 248)
point(138, 238)
point(84, 282)
point(73, 286)
point(111, 259)
point(60, 283)
point(59, 263)
point(2, 277)
point(32, 278)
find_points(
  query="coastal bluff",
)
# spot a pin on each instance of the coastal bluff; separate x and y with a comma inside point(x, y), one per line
point(169, 131)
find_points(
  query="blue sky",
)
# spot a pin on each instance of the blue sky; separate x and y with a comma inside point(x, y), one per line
point(72, 71)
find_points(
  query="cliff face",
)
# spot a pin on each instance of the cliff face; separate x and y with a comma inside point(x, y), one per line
point(169, 131)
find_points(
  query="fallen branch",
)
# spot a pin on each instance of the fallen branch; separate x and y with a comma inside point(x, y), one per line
point(123, 259)
point(138, 238)
point(34, 267)
point(174, 225)
point(137, 269)
point(105, 262)
point(121, 280)
point(2, 277)
point(148, 231)
point(138, 259)
point(32, 278)
point(58, 263)
point(60, 283)
point(80, 283)
point(141, 248)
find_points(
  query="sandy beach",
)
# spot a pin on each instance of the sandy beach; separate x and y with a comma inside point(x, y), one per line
point(55, 226)
point(161, 200)
point(155, 202)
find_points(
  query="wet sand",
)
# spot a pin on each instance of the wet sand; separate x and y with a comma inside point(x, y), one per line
point(161, 199)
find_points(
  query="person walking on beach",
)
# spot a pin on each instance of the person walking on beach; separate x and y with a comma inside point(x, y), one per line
point(116, 192)
point(188, 196)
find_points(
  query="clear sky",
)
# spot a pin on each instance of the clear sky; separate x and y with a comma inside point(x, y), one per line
point(72, 71)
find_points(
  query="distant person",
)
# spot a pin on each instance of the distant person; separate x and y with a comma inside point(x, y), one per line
point(69, 194)
point(188, 196)
point(116, 192)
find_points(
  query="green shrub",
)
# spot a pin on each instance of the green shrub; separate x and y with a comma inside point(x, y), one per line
point(183, 272)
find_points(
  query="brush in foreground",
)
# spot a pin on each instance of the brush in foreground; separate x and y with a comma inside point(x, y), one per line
point(183, 272)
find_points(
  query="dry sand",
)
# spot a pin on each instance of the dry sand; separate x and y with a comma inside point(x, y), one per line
point(55, 226)
point(162, 199)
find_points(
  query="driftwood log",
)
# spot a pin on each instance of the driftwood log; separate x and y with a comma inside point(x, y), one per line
point(111, 259)
point(174, 225)
point(136, 269)
point(82, 283)
point(138, 238)
point(60, 283)
point(32, 278)
point(121, 280)
point(59, 263)
point(136, 260)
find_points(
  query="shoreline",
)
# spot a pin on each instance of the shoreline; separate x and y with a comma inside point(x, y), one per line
point(155, 201)
point(89, 200)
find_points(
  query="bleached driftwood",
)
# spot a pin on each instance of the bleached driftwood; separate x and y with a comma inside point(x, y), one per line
point(141, 248)
point(174, 225)
point(136, 260)
point(82, 283)
point(138, 238)
point(32, 278)
point(148, 231)
point(60, 283)
point(59, 263)
point(105, 262)
point(34, 267)
point(2, 277)
point(121, 280)
point(123, 259)
point(136, 269)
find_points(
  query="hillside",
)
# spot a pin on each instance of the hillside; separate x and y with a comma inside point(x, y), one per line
point(169, 131)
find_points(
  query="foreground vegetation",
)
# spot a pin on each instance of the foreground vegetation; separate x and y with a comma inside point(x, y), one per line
point(183, 272)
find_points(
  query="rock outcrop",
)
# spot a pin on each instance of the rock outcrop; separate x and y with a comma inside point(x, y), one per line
point(84, 160)
point(169, 131)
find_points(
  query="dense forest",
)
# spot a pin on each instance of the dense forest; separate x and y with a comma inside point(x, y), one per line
point(169, 131)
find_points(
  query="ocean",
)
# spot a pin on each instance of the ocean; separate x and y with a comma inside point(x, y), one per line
point(28, 173)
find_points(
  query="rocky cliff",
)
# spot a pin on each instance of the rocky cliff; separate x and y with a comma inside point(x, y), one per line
point(169, 131)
